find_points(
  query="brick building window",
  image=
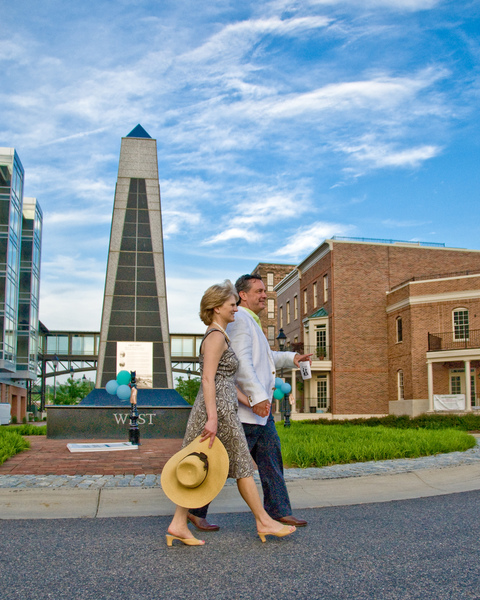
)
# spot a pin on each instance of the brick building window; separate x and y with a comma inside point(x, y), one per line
point(305, 301)
point(400, 385)
point(271, 335)
point(321, 342)
point(322, 392)
point(399, 328)
point(295, 308)
point(460, 324)
point(315, 299)
point(280, 314)
point(269, 282)
point(325, 288)
point(271, 308)
point(455, 384)
point(288, 311)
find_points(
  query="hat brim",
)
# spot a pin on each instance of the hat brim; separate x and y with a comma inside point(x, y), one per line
point(218, 464)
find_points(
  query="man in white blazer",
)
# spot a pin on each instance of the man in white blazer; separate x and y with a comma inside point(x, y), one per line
point(256, 378)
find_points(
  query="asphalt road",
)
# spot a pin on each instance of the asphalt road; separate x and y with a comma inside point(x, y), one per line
point(427, 548)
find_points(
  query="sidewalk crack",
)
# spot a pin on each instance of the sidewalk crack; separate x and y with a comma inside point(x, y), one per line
point(98, 503)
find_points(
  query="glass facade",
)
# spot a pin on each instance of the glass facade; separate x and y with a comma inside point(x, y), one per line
point(20, 254)
point(11, 198)
point(29, 288)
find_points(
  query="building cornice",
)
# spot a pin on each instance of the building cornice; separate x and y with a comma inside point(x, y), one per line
point(432, 280)
point(287, 281)
point(315, 256)
point(433, 298)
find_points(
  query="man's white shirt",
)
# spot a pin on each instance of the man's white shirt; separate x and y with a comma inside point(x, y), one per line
point(257, 363)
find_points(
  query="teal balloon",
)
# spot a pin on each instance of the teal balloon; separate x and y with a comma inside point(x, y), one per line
point(123, 378)
point(278, 382)
point(278, 394)
point(112, 387)
point(123, 392)
point(286, 388)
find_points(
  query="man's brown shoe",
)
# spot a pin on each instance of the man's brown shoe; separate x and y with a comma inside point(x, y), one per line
point(201, 523)
point(291, 520)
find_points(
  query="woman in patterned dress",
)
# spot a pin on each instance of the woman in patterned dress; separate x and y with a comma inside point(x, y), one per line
point(215, 412)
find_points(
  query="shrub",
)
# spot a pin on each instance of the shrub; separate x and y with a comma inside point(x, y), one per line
point(27, 429)
point(465, 422)
point(11, 443)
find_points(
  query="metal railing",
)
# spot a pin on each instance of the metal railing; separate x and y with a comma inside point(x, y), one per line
point(318, 352)
point(449, 340)
point(381, 241)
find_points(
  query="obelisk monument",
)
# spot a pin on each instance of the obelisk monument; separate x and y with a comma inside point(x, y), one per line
point(134, 331)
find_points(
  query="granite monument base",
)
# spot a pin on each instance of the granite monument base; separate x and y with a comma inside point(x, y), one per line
point(112, 422)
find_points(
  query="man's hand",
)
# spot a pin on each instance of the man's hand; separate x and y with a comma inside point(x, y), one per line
point(262, 409)
point(302, 358)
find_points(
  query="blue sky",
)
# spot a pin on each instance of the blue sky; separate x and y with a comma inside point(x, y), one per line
point(278, 124)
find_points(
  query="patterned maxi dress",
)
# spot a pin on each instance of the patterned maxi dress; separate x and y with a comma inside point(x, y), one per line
point(230, 430)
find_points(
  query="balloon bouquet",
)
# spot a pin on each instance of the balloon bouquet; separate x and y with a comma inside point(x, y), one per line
point(120, 386)
point(125, 388)
point(282, 389)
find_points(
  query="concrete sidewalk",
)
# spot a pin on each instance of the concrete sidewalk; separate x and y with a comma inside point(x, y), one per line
point(49, 482)
point(305, 492)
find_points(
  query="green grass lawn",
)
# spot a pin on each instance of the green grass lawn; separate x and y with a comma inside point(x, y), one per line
point(309, 444)
point(12, 442)
point(312, 445)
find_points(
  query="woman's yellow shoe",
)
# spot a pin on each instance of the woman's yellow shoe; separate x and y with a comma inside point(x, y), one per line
point(186, 541)
point(286, 530)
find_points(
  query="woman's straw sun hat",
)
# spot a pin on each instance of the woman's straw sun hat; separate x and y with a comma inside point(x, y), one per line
point(195, 475)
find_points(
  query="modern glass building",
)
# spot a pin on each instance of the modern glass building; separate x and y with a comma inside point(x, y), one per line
point(20, 245)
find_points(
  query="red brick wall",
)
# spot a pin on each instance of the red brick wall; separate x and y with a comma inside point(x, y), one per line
point(279, 272)
point(366, 357)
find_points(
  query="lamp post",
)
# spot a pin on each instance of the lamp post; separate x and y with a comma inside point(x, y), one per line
point(55, 367)
point(282, 340)
point(133, 431)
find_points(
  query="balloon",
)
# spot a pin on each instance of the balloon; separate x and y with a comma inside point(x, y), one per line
point(286, 388)
point(112, 387)
point(278, 394)
point(278, 382)
point(123, 378)
point(123, 392)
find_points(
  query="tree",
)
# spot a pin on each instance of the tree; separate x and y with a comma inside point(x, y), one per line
point(73, 391)
point(188, 388)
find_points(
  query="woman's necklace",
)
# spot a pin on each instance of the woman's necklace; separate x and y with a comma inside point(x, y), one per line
point(221, 329)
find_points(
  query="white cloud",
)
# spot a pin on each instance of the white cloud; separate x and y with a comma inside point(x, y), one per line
point(397, 5)
point(72, 306)
point(251, 218)
point(175, 221)
point(233, 233)
point(234, 39)
point(309, 237)
point(74, 218)
point(385, 155)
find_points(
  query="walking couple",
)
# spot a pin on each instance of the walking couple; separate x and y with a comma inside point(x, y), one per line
point(233, 407)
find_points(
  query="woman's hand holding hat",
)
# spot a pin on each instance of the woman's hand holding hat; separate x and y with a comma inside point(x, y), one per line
point(210, 430)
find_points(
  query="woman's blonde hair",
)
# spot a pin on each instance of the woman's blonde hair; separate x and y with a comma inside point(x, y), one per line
point(214, 297)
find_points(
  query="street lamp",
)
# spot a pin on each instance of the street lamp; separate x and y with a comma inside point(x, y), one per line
point(55, 366)
point(282, 340)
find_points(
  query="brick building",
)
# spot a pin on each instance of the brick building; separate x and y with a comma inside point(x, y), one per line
point(271, 275)
point(365, 310)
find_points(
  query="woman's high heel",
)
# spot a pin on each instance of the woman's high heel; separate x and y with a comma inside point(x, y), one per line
point(186, 541)
point(286, 530)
